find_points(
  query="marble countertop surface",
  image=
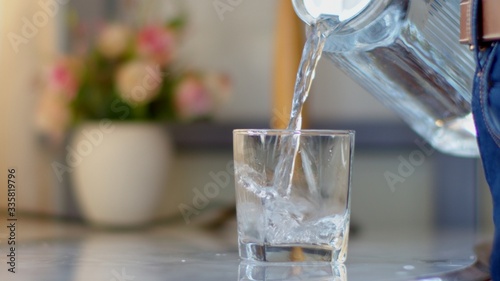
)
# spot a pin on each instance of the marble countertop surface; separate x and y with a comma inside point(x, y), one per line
point(48, 249)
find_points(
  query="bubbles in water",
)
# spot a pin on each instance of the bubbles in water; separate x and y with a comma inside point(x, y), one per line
point(253, 181)
point(282, 220)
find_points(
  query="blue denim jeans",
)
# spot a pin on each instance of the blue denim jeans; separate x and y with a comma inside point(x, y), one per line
point(486, 111)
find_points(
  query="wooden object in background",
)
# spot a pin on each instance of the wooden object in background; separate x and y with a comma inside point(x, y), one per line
point(288, 50)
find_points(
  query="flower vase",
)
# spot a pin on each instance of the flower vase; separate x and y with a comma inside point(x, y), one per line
point(120, 171)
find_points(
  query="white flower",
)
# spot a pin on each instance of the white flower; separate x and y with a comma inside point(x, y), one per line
point(219, 86)
point(113, 40)
point(138, 82)
point(52, 116)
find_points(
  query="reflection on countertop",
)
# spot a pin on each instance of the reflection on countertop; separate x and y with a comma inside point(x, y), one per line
point(49, 249)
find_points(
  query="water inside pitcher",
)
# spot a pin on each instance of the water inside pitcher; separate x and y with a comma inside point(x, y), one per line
point(407, 54)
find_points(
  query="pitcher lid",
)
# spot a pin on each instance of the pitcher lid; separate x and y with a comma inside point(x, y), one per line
point(309, 10)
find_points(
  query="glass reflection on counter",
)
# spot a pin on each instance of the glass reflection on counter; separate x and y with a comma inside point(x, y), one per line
point(252, 271)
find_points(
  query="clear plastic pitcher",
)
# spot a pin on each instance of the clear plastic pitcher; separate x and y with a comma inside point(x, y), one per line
point(407, 54)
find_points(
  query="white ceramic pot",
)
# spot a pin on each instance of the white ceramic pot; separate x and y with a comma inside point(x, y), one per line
point(120, 171)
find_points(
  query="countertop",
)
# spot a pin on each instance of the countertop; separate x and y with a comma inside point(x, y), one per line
point(49, 249)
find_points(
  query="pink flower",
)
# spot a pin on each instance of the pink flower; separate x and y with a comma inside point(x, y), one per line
point(63, 78)
point(192, 98)
point(157, 43)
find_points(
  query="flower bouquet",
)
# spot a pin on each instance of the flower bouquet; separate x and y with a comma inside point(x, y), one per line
point(128, 74)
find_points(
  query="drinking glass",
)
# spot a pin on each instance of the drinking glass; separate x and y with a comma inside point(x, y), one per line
point(293, 194)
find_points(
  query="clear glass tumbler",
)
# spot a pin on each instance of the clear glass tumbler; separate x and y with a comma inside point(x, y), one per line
point(302, 219)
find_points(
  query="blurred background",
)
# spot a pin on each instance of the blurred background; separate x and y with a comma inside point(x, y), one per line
point(238, 39)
